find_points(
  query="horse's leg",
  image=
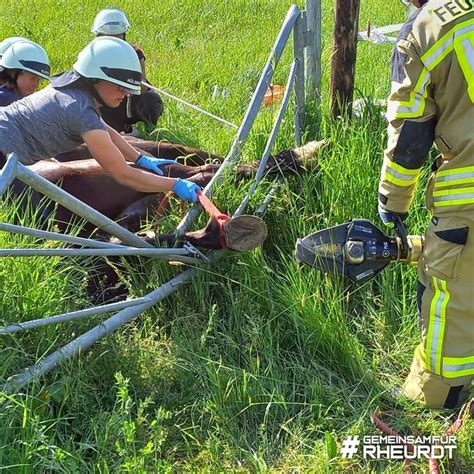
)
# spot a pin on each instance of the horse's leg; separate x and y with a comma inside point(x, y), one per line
point(79, 153)
point(132, 217)
point(288, 161)
point(240, 234)
point(103, 282)
point(172, 151)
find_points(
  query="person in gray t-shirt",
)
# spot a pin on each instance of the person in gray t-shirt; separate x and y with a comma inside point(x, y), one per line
point(66, 114)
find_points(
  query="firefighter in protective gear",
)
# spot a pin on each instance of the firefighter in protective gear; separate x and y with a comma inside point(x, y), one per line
point(432, 101)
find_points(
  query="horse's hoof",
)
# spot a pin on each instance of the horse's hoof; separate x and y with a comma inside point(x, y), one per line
point(244, 233)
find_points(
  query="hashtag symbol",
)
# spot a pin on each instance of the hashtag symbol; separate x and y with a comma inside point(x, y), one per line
point(350, 447)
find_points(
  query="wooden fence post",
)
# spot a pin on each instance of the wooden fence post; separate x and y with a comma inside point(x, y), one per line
point(344, 55)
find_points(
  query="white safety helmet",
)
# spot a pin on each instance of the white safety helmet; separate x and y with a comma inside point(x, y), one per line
point(26, 56)
point(113, 60)
point(110, 21)
point(7, 42)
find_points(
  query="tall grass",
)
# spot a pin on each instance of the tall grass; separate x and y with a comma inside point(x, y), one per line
point(258, 364)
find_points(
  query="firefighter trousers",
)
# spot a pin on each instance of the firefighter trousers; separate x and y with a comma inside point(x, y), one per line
point(443, 365)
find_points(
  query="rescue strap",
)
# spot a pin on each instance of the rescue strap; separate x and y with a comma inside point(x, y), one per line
point(164, 204)
point(220, 217)
point(208, 206)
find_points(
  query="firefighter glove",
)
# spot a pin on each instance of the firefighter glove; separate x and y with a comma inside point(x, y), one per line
point(389, 218)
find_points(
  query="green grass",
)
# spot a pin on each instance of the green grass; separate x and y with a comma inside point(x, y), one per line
point(257, 365)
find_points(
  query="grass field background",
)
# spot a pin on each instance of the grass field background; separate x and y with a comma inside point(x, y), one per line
point(258, 365)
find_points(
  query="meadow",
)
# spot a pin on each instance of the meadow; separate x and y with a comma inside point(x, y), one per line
point(258, 364)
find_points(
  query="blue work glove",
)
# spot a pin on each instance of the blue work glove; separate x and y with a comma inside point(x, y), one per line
point(186, 190)
point(153, 164)
point(389, 217)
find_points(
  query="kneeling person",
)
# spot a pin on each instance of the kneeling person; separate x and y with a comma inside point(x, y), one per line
point(145, 107)
point(61, 117)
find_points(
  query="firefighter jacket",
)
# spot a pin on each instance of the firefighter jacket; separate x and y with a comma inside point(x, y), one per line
point(432, 101)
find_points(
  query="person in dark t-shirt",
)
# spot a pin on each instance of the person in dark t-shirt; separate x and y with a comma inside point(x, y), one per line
point(146, 107)
point(66, 114)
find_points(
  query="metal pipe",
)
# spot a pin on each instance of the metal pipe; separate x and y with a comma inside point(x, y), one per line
point(8, 173)
point(252, 110)
point(271, 139)
point(75, 205)
point(194, 107)
point(91, 252)
point(43, 234)
point(87, 339)
point(313, 51)
point(298, 55)
point(60, 318)
point(269, 197)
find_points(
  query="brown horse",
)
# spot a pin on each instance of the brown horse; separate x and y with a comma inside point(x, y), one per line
point(84, 178)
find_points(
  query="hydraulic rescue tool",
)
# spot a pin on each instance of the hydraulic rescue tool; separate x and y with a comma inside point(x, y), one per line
point(358, 249)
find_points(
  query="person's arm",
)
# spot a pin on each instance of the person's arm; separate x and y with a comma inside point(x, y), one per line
point(104, 149)
point(124, 147)
point(411, 113)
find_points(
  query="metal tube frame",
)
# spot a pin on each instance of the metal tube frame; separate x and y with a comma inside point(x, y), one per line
point(131, 309)
point(233, 156)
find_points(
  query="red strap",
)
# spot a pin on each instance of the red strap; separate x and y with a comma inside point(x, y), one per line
point(210, 208)
point(220, 217)
point(163, 205)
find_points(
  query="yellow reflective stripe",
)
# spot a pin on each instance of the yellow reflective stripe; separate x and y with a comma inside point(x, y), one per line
point(465, 54)
point(454, 176)
point(458, 360)
point(458, 373)
point(445, 44)
point(415, 106)
point(461, 40)
point(455, 202)
point(449, 172)
point(458, 366)
point(451, 182)
point(436, 326)
point(453, 197)
point(445, 296)
point(397, 174)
